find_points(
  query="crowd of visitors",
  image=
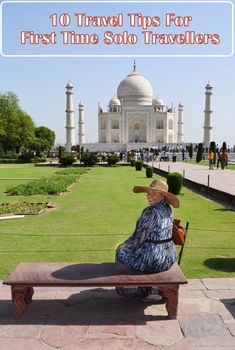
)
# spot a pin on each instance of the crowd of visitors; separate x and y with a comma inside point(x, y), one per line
point(173, 153)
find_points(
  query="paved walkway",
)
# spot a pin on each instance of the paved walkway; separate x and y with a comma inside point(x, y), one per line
point(97, 319)
point(223, 180)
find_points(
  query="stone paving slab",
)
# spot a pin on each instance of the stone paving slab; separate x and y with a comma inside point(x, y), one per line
point(98, 318)
point(203, 326)
point(219, 283)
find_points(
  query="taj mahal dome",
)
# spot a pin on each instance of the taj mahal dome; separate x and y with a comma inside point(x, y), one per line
point(134, 118)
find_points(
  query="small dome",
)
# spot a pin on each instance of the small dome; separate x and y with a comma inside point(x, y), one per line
point(114, 102)
point(81, 104)
point(181, 104)
point(135, 89)
point(158, 102)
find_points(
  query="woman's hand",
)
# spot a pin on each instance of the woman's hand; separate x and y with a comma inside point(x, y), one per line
point(121, 246)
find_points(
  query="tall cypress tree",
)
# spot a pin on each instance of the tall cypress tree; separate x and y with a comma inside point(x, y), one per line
point(190, 151)
point(213, 149)
point(199, 152)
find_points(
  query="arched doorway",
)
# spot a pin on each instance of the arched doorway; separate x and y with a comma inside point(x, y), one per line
point(137, 129)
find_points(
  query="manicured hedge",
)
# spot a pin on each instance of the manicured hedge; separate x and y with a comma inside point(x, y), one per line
point(8, 161)
point(175, 182)
point(20, 160)
point(138, 165)
point(149, 171)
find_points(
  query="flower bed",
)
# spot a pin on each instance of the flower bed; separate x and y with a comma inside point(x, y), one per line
point(52, 185)
point(24, 208)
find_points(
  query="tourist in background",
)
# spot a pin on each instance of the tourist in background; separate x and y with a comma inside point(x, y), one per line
point(219, 159)
point(211, 159)
point(224, 159)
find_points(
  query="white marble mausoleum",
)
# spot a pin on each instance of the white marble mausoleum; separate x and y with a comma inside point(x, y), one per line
point(135, 116)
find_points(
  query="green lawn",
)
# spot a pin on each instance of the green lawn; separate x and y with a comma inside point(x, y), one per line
point(99, 213)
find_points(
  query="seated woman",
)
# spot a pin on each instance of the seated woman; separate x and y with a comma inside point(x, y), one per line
point(150, 248)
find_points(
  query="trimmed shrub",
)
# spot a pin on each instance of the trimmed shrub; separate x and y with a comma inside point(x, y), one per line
point(149, 171)
point(20, 160)
point(112, 159)
point(89, 159)
point(133, 162)
point(175, 182)
point(138, 165)
point(199, 152)
point(66, 160)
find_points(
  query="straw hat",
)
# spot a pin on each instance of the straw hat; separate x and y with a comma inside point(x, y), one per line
point(160, 187)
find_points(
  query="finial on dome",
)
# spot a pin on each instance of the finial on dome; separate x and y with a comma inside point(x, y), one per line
point(134, 66)
point(208, 86)
point(69, 85)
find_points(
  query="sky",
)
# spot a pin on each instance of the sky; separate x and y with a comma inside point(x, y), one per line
point(40, 82)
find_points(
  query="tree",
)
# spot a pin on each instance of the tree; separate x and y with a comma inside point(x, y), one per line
point(190, 151)
point(213, 149)
point(44, 140)
point(224, 147)
point(16, 126)
point(61, 151)
point(199, 152)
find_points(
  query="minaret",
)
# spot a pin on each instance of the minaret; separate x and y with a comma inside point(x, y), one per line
point(81, 132)
point(70, 132)
point(207, 115)
point(180, 133)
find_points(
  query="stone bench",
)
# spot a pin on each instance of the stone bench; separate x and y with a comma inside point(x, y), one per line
point(28, 275)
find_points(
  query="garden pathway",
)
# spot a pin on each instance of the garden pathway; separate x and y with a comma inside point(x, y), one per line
point(223, 180)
